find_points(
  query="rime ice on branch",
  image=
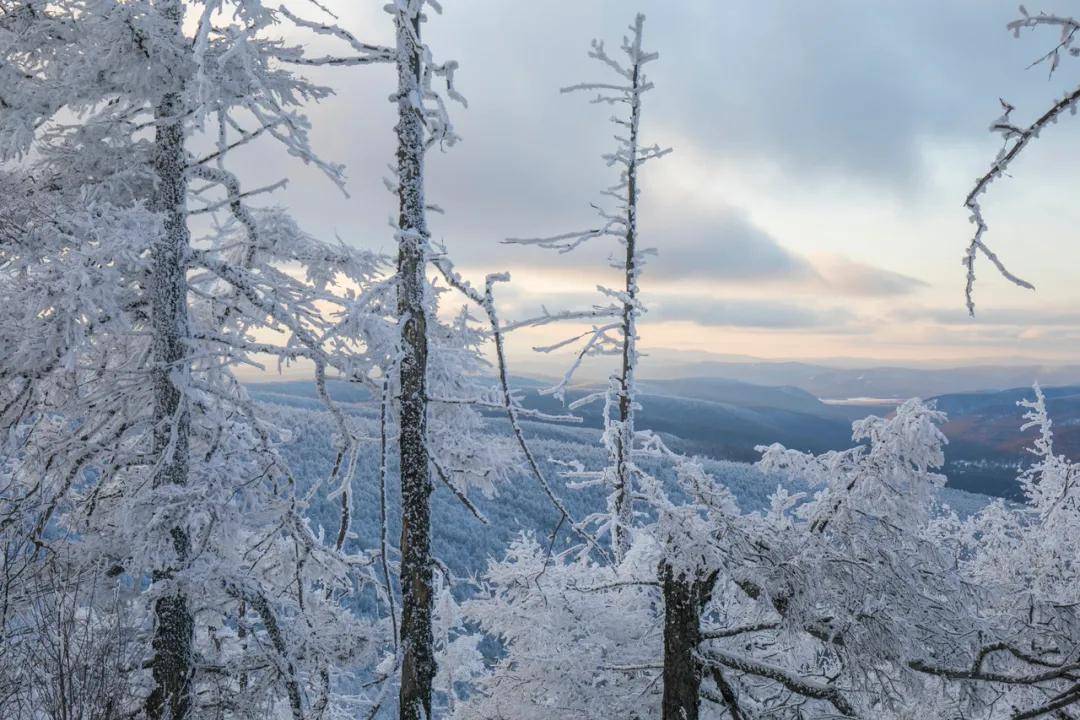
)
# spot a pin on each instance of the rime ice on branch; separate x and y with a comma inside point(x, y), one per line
point(132, 457)
point(1021, 560)
point(618, 334)
point(1015, 139)
point(436, 371)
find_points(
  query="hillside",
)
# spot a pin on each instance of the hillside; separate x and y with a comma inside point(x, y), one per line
point(713, 417)
point(725, 420)
point(824, 381)
point(986, 447)
point(699, 425)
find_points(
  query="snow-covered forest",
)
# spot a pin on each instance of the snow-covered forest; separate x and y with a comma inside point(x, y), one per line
point(411, 526)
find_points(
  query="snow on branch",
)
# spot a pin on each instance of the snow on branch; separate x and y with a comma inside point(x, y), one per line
point(600, 342)
point(1068, 26)
point(566, 242)
point(546, 318)
point(366, 53)
point(977, 672)
point(458, 493)
point(791, 681)
point(486, 302)
point(1016, 138)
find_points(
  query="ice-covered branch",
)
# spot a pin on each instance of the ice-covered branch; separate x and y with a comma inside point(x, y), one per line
point(486, 301)
point(1016, 139)
point(791, 681)
point(1068, 26)
point(599, 343)
point(566, 242)
point(1068, 671)
point(366, 53)
point(546, 318)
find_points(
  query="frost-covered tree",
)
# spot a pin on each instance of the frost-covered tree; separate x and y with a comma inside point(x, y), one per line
point(438, 382)
point(135, 278)
point(861, 573)
point(1020, 652)
point(810, 609)
point(1018, 657)
point(71, 654)
point(686, 586)
point(811, 606)
point(616, 333)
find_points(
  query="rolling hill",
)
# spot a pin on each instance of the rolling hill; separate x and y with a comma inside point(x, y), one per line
point(722, 422)
point(726, 419)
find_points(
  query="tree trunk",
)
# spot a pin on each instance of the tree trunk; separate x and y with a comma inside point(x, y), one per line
point(171, 666)
point(418, 661)
point(624, 440)
point(684, 600)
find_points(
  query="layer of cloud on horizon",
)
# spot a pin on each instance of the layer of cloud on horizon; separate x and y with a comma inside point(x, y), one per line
point(762, 314)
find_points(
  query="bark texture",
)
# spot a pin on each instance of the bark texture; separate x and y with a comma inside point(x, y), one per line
point(171, 665)
point(418, 661)
point(684, 600)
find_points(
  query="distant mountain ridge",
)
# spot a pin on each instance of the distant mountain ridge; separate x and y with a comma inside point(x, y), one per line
point(986, 447)
point(463, 543)
point(727, 419)
point(875, 382)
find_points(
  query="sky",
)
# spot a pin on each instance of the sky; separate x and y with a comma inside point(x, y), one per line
point(812, 207)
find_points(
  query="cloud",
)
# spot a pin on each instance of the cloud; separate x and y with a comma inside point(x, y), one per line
point(790, 96)
point(844, 88)
point(992, 317)
point(849, 88)
point(764, 314)
point(721, 244)
point(516, 302)
point(847, 277)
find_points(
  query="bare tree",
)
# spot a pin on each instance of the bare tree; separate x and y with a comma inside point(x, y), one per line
point(429, 369)
point(686, 590)
point(69, 653)
point(618, 337)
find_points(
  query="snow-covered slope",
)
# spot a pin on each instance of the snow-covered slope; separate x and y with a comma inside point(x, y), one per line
point(460, 540)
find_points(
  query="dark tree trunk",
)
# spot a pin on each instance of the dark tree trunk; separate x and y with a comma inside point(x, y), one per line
point(418, 661)
point(684, 600)
point(171, 665)
point(624, 439)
